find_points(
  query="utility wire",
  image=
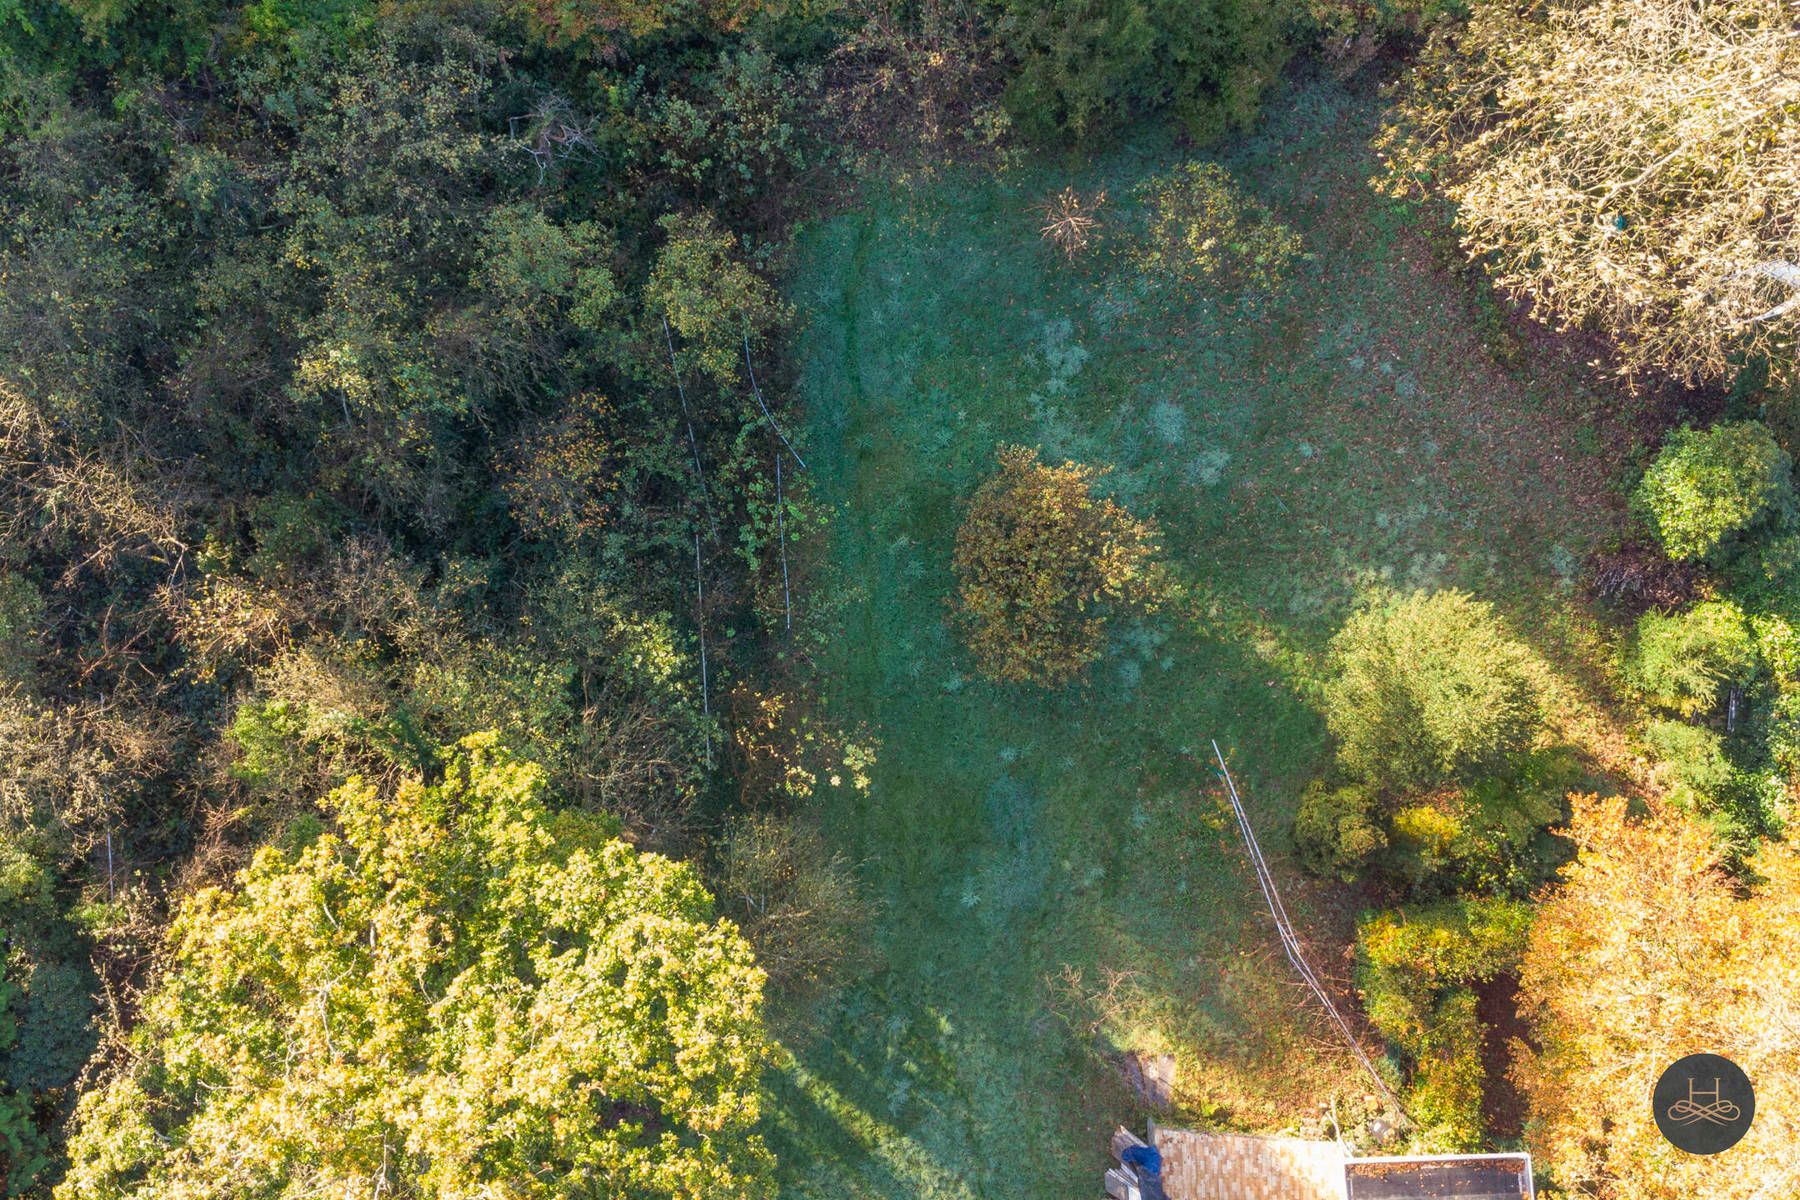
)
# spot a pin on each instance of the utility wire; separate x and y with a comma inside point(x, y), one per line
point(1290, 941)
point(763, 404)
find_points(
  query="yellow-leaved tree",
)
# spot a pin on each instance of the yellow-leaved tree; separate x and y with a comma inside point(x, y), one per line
point(453, 990)
point(1649, 952)
point(1036, 557)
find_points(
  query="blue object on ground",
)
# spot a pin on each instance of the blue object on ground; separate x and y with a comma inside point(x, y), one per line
point(1145, 1160)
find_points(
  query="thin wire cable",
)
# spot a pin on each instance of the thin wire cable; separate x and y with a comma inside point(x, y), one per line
point(1290, 941)
point(763, 404)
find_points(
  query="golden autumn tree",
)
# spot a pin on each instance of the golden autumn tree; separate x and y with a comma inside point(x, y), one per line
point(1648, 952)
point(1037, 558)
point(455, 989)
point(1626, 165)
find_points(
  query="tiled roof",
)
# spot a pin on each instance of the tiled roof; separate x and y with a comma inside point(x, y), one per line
point(1225, 1166)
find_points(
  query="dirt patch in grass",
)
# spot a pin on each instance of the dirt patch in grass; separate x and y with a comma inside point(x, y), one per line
point(1497, 1008)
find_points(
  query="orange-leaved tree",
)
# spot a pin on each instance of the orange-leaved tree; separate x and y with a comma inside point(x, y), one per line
point(1648, 952)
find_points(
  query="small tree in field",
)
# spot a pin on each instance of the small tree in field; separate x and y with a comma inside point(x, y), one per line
point(1036, 554)
point(1428, 687)
point(1708, 484)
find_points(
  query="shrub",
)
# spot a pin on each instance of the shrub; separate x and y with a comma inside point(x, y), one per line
point(1346, 19)
point(709, 296)
point(1777, 647)
point(1337, 830)
point(1490, 838)
point(1427, 839)
point(1681, 662)
point(738, 133)
point(1693, 761)
point(46, 1014)
point(1783, 734)
point(24, 1151)
point(1086, 66)
point(21, 618)
point(1707, 485)
point(1427, 687)
point(601, 28)
point(1034, 556)
point(796, 901)
point(1203, 231)
point(1415, 968)
point(564, 472)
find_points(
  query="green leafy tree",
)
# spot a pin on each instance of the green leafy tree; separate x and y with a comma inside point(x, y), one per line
point(536, 287)
point(1708, 485)
point(1683, 661)
point(711, 298)
point(46, 1032)
point(24, 1150)
point(1035, 554)
point(1693, 762)
point(1427, 687)
point(1087, 66)
point(454, 991)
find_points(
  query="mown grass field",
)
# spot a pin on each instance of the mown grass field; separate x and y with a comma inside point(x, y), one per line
point(1359, 431)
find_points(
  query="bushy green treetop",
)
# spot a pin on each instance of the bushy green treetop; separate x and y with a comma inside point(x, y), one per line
point(1087, 66)
point(1682, 660)
point(1428, 687)
point(453, 992)
point(1035, 555)
point(1708, 484)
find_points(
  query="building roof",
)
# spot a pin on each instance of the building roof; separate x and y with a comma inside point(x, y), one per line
point(1222, 1166)
point(1447, 1176)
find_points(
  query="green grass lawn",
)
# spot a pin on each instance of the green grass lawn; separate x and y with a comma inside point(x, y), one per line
point(1357, 432)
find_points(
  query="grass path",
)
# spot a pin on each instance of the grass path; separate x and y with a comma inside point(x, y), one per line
point(1056, 878)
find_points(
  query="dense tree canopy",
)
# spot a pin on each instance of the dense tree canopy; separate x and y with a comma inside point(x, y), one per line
point(1628, 165)
point(1087, 66)
point(1415, 968)
point(452, 990)
point(1649, 952)
point(1707, 485)
point(373, 372)
point(1428, 687)
point(1684, 660)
